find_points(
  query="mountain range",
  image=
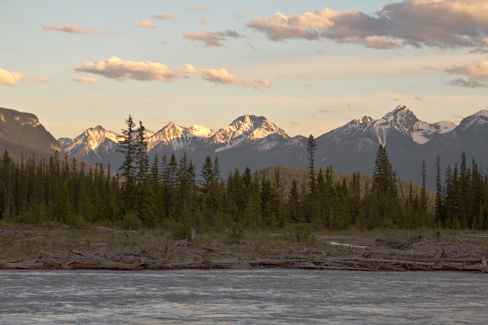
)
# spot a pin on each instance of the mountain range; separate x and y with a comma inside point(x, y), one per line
point(255, 142)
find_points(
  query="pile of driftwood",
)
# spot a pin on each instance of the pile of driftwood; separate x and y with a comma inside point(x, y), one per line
point(209, 256)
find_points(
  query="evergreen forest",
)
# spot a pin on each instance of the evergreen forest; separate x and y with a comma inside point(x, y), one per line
point(173, 193)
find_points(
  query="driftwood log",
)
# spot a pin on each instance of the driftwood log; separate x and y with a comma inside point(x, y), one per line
point(224, 259)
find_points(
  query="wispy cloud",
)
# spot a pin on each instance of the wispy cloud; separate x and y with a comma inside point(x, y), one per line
point(9, 78)
point(200, 8)
point(431, 23)
point(242, 14)
point(146, 24)
point(165, 42)
point(73, 29)
point(457, 116)
point(205, 21)
point(118, 69)
point(325, 111)
point(250, 45)
point(167, 17)
point(42, 80)
point(418, 98)
point(211, 39)
point(307, 85)
point(86, 80)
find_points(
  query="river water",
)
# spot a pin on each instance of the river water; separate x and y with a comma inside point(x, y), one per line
point(267, 296)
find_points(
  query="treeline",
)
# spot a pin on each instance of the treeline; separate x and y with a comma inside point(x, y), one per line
point(461, 200)
point(169, 192)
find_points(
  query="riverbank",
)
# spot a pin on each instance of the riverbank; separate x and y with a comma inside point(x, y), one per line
point(23, 247)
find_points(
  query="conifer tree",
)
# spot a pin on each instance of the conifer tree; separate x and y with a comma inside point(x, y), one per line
point(128, 148)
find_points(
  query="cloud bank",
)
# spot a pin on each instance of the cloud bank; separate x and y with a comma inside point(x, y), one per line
point(443, 24)
point(8, 78)
point(211, 39)
point(118, 69)
point(477, 75)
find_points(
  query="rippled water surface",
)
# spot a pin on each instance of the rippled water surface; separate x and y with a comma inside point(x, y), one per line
point(242, 297)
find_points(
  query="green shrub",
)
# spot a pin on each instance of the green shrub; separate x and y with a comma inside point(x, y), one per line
point(130, 220)
point(28, 217)
point(180, 230)
point(300, 231)
point(236, 232)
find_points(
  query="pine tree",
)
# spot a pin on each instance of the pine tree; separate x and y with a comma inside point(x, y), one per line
point(311, 147)
point(423, 192)
point(294, 202)
point(279, 199)
point(439, 194)
point(129, 149)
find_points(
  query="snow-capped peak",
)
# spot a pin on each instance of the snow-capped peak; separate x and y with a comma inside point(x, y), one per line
point(404, 121)
point(247, 127)
point(90, 140)
point(400, 110)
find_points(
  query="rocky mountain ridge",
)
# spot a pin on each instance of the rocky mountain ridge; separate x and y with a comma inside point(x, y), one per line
point(256, 142)
point(21, 134)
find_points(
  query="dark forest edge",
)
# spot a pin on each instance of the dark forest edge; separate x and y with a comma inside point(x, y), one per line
point(166, 193)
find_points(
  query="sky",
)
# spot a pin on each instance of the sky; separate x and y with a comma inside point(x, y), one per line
point(308, 66)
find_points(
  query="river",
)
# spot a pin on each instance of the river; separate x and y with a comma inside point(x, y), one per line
point(267, 296)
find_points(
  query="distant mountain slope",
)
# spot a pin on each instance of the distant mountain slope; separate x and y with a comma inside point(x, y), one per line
point(470, 137)
point(21, 133)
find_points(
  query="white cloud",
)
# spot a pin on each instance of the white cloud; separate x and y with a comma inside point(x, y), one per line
point(118, 69)
point(432, 23)
point(73, 29)
point(477, 75)
point(86, 80)
point(204, 21)
point(42, 80)
point(200, 8)
point(147, 24)
point(167, 17)
point(8, 78)
point(211, 39)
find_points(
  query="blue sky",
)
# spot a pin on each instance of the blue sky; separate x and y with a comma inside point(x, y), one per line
point(310, 71)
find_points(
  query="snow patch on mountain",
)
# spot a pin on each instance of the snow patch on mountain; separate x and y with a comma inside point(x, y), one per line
point(200, 131)
point(483, 113)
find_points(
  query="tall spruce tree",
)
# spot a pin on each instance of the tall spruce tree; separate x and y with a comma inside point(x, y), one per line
point(129, 149)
